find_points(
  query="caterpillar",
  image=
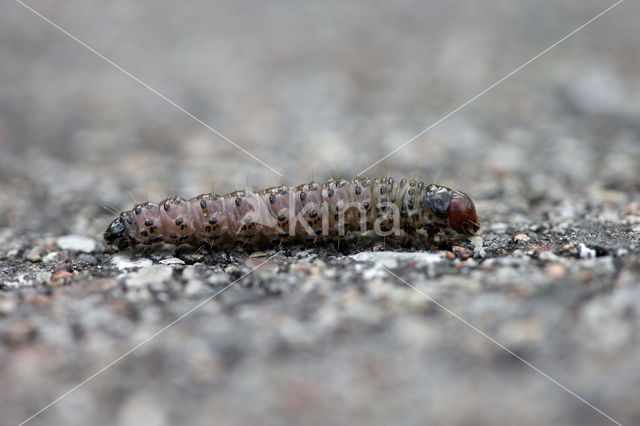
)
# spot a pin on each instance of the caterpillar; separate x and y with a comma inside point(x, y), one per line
point(307, 213)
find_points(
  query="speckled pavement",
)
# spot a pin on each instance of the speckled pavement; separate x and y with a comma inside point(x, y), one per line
point(357, 333)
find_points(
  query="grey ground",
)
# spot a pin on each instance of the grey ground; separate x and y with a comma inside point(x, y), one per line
point(322, 335)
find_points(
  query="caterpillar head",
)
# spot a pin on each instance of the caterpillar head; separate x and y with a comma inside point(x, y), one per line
point(462, 214)
point(454, 206)
point(115, 235)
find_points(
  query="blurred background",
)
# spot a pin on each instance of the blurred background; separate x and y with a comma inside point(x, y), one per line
point(314, 90)
point(319, 90)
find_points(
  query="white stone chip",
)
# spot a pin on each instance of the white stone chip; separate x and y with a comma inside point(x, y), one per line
point(124, 262)
point(79, 243)
point(586, 252)
point(390, 259)
point(172, 261)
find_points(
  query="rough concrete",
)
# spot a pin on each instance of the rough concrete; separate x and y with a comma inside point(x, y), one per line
point(322, 334)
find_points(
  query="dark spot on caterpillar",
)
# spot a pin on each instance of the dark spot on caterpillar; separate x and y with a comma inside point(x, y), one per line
point(439, 200)
point(398, 206)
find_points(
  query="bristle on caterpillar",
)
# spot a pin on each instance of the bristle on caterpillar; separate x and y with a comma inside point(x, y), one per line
point(307, 213)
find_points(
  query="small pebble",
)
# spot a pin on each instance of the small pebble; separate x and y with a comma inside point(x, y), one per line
point(585, 252)
point(60, 277)
point(461, 251)
point(556, 270)
point(79, 243)
point(633, 208)
point(124, 262)
point(88, 259)
point(585, 276)
point(172, 261)
point(521, 238)
point(62, 267)
point(154, 274)
point(7, 306)
point(43, 277)
point(51, 258)
point(218, 279)
point(195, 288)
point(34, 256)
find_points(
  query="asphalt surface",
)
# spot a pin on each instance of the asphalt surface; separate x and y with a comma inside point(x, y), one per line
point(536, 320)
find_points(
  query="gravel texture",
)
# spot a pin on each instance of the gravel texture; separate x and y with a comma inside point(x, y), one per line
point(358, 333)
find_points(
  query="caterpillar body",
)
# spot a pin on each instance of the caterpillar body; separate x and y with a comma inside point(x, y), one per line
point(307, 213)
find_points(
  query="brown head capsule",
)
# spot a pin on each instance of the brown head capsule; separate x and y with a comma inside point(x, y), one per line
point(462, 214)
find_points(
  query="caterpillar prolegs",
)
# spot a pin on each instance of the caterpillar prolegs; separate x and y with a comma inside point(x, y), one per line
point(306, 214)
